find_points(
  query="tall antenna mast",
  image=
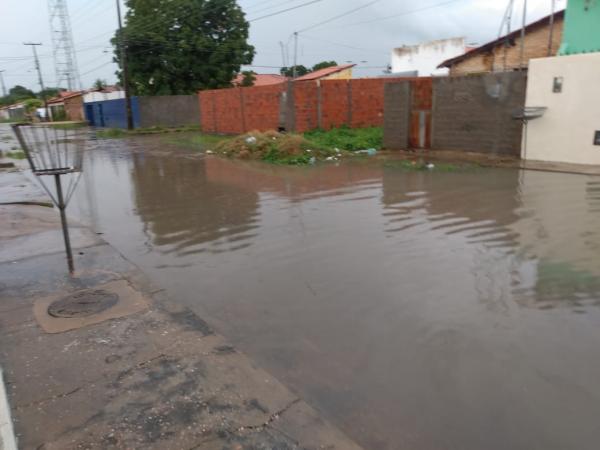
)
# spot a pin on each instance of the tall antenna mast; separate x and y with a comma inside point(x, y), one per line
point(65, 61)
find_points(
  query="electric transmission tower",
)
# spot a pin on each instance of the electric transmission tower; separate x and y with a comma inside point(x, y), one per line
point(65, 61)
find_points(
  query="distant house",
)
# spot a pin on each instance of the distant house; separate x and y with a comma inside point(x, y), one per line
point(504, 53)
point(423, 60)
point(261, 79)
point(343, 72)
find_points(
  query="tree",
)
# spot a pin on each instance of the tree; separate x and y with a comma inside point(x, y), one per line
point(20, 93)
point(323, 65)
point(49, 92)
point(182, 46)
point(289, 71)
point(31, 105)
point(249, 77)
point(99, 84)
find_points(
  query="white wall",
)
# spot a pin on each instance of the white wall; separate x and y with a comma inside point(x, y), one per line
point(425, 57)
point(566, 131)
point(101, 96)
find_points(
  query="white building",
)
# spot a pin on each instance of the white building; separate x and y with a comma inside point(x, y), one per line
point(99, 96)
point(569, 130)
point(422, 60)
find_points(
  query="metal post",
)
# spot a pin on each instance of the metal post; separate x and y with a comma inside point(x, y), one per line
point(124, 66)
point(63, 219)
point(522, 55)
point(2, 82)
point(551, 35)
point(294, 72)
point(40, 79)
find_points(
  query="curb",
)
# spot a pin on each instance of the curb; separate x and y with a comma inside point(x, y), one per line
point(7, 435)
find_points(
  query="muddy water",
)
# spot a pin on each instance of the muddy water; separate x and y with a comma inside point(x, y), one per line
point(414, 310)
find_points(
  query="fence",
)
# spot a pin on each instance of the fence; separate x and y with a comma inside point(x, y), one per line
point(473, 113)
point(299, 106)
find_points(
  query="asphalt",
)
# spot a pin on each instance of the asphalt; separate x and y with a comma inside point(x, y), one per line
point(144, 373)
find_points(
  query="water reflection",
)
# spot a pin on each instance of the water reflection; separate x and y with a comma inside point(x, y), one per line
point(415, 310)
point(186, 213)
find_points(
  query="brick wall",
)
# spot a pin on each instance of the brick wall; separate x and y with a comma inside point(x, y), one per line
point(241, 109)
point(536, 46)
point(474, 113)
point(334, 103)
point(308, 105)
point(74, 108)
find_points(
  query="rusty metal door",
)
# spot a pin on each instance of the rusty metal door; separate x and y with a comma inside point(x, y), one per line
point(420, 116)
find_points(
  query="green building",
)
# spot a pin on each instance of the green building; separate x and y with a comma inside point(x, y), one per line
point(581, 32)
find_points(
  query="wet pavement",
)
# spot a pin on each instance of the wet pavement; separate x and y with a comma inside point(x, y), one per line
point(415, 310)
point(105, 359)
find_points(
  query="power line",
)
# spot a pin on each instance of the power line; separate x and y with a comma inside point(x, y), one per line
point(339, 16)
point(405, 13)
point(285, 10)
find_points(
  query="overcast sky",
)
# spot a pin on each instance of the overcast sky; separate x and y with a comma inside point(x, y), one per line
point(365, 37)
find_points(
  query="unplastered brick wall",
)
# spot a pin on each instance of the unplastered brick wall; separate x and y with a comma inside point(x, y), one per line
point(300, 106)
point(239, 110)
point(475, 113)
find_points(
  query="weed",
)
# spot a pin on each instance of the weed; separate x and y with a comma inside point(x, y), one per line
point(346, 138)
point(15, 155)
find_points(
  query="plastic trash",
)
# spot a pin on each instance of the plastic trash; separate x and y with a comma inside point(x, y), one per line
point(209, 152)
point(337, 150)
point(308, 150)
point(330, 158)
point(369, 151)
point(251, 140)
point(430, 166)
point(312, 160)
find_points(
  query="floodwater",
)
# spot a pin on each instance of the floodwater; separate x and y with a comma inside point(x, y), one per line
point(413, 310)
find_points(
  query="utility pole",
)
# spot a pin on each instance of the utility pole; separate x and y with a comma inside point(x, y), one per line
point(522, 55)
point(551, 36)
point(123, 53)
point(283, 61)
point(40, 79)
point(294, 71)
point(4, 93)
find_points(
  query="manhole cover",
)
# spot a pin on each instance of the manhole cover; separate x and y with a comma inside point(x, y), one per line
point(83, 304)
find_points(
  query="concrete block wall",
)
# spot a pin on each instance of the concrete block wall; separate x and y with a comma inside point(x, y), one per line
point(397, 115)
point(169, 110)
point(474, 113)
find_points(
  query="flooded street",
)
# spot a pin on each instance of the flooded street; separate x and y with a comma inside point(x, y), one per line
point(415, 310)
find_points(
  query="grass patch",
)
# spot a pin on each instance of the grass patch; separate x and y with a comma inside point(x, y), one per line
point(345, 138)
point(116, 133)
point(19, 154)
point(276, 148)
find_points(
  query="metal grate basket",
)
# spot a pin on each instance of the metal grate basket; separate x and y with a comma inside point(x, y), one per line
point(55, 149)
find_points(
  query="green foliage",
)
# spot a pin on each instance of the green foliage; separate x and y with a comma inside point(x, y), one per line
point(99, 84)
point(15, 95)
point(111, 133)
point(19, 154)
point(289, 71)
point(323, 65)
point(31, 104)
point(182, 46)
point(346, 138)
point(49, 92)
point(248, 79)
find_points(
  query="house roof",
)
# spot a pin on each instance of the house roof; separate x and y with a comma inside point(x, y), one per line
point(496, 42)
point(262, 79)
point(324, 72)
point(62, 96)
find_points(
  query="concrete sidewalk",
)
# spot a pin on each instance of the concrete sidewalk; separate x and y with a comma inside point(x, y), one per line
point(143, 373)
